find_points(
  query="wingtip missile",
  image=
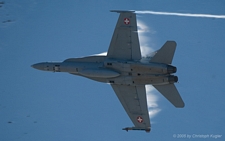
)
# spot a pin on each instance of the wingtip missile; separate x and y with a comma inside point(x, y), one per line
point(148, 129)
point(123, 11)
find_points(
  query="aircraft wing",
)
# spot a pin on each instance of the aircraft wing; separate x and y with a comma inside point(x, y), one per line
point(170, 92)
point(133, 99)
point(125, 43)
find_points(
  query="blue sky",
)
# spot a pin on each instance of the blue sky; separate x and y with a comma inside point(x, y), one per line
point(37, 105)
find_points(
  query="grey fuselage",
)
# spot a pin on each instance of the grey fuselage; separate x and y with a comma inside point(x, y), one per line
point(122, 72)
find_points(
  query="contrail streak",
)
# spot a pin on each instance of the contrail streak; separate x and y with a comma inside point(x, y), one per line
point(182, 14)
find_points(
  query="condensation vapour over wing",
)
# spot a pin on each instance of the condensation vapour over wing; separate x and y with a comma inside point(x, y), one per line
point(181, 14)
point(152, 98)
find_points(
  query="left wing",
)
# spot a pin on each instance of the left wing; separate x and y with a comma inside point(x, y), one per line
point(133, 99)
point(125, 43)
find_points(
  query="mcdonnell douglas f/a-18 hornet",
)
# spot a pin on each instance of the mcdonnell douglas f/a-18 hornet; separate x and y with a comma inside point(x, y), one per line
point(126, 71)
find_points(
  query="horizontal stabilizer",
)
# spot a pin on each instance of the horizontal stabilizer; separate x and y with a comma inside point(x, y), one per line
point(165, 54)
point(170, 92)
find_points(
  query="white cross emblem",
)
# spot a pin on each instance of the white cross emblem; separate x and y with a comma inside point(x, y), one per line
point(126, 21)
point(139, 119)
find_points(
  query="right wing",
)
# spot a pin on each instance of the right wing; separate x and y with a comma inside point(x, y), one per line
point(125, 43)
point(133, 99)
point(170, 92)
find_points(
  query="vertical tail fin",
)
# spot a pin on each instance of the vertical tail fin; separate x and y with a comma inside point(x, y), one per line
point(166, 53)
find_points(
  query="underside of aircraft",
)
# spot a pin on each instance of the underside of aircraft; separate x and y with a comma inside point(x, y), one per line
point(126, 71)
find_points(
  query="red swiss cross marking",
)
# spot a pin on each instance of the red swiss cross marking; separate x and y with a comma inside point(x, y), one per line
point(139, 119)
point(126, 21)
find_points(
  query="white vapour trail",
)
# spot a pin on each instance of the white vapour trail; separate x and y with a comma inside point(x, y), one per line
point(101, 54)
point(145, 51)
point(182, 14)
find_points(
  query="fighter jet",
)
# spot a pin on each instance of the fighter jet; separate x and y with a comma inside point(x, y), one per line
point(126, 71)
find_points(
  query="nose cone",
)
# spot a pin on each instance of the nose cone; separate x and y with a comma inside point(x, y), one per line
point(39, 66)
